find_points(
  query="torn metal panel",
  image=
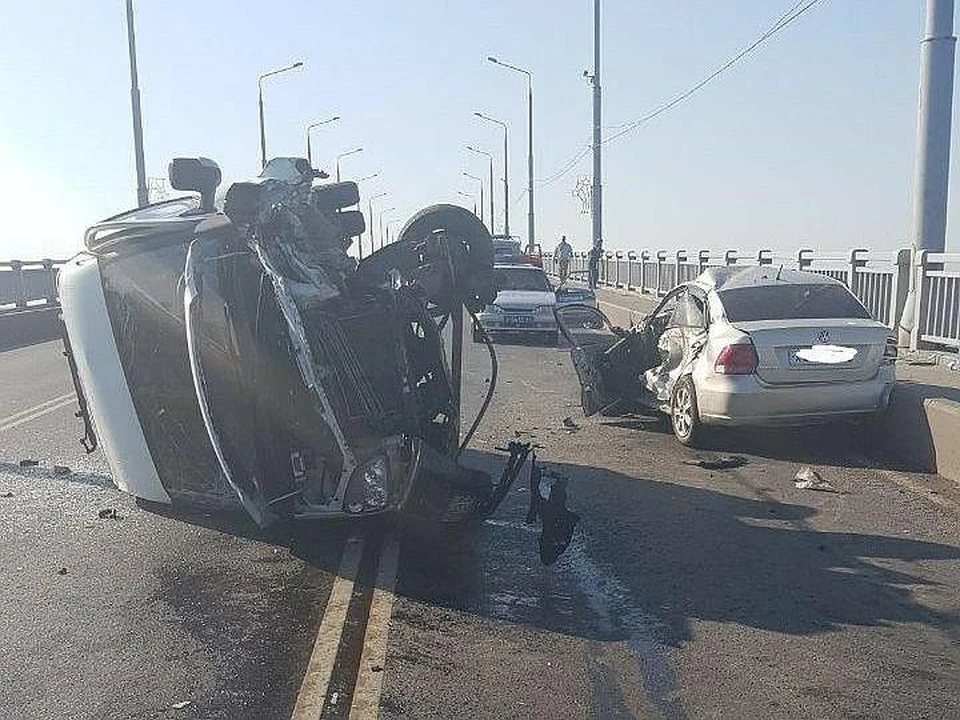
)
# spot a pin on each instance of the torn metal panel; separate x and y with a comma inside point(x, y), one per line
point(266, 365)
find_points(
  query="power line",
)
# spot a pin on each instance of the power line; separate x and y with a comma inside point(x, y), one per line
point(783, 21)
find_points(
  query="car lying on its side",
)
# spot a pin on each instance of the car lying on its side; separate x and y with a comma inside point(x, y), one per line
point(524, 304)
point(237, 355)
point(738, 346)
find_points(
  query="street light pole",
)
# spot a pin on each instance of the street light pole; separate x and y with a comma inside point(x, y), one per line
point(506, 171)
point(382, 212)
point(370, 217)
point(479, 180)
point(263, 131)
point(142, 195)
point(310, 127)
point(343, 155)
point(596, 195)
point(490, 159)
point(531, 236)
point(470, 197)
point(389, 223)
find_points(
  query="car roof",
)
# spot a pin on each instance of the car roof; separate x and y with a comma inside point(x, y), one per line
point(732, 278)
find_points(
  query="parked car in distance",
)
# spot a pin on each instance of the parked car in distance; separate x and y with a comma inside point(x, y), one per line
point(508, 249)
point(738, 346)
point(524, 304)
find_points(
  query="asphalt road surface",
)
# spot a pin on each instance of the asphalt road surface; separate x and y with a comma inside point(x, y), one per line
point(686, 592)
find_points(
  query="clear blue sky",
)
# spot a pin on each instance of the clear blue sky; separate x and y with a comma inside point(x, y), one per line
point(810, 140)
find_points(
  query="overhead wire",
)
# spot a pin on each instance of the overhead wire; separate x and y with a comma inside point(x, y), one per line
point(782, 22)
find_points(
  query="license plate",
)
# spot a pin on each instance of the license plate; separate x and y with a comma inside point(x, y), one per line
point(518, 321)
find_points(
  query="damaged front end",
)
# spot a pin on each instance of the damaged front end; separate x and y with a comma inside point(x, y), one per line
point(262, 364)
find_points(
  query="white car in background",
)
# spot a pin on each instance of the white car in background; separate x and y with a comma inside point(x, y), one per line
point(524, 304)
point(750, 346)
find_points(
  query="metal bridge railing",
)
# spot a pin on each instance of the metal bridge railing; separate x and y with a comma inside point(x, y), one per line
point(880, 280)
point(28, 283)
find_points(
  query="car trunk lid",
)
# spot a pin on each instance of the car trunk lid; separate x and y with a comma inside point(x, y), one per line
point(816, 351)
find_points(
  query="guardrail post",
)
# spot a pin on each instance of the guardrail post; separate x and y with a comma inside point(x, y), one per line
point(631, 259)
point(661, 261)
point(703, 259)
point(765, 257)
point(680, 259)
point(730, 257)
point(902, 259)
point(804, 259)
point(617, 258)
point(16, 267)
point(51, 282)
point(856, 261)
point(921, 299)
point(644, 259)
point(606, 266)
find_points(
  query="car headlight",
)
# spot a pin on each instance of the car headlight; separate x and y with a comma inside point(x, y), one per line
point(368, 488)
point(493, 309)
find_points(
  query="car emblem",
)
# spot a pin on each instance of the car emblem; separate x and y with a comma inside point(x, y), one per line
point(823, 337)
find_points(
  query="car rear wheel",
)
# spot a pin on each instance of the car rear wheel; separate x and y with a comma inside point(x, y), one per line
point(684, 415)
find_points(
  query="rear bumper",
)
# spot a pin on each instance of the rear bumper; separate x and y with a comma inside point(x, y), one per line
point(745, 400)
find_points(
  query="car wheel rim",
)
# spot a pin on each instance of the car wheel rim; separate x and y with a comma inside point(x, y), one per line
point(682, 412)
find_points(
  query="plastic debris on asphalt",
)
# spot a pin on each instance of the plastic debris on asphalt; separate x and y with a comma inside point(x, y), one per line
point(29, 463)
point(62, 571)
point(7, 494)
point(181, 705)
point(61, 470)
point(569, 424)
point(809, 479)
point(108, 514)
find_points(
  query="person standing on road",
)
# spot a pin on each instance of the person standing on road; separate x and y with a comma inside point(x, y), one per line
point(562, 255)
point(593, 265)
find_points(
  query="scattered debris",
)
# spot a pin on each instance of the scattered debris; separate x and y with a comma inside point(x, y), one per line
point(569, 424)
point(809, 479)
point(61, 470)
point(922, 361)
point(29, 463)
point(108, 514)
point(181, 705)
point(62, 571)
point(724, 462)
point(7, 494)
point(334, 698)
point(376, 668)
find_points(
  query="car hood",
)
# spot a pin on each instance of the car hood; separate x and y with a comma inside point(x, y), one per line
point(525, 298)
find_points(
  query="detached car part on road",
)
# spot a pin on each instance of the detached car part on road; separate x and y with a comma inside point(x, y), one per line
point(738, 346)
point(241, 354)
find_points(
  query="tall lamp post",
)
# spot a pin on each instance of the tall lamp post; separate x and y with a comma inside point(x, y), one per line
point(470, 197)
point(490, 159)
point(479, 180)
point(370, 216)
point(382, 213)
point(143, 197)
point(531, 237)
point(263, 132)
point(310, 127)
point(389, 223)
point(506, 171)
point(343, 155)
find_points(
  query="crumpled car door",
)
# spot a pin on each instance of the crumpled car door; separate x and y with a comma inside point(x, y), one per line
point(678, 345)
point(609, 361)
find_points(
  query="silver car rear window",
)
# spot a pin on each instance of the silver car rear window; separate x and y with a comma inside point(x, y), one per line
point(521, 279)
point(790, 302)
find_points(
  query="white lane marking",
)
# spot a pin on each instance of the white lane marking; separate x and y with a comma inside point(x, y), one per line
point(621, 307)
point(366, 692)
point(38, 411)
point(313, 689)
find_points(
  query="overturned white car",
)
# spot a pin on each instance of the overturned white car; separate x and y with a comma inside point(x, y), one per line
point(239, 354)
point(738, 346)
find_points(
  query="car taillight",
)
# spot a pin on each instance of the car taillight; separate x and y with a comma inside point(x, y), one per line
point(739, 359)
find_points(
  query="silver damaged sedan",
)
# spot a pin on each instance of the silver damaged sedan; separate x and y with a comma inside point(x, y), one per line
point(737, 346)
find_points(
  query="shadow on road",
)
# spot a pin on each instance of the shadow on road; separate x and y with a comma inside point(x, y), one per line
point(647, 558)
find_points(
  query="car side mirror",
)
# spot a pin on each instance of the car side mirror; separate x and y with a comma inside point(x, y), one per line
point(198, 174)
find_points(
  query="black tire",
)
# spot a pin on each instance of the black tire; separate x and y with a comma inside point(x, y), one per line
point(684, 413)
